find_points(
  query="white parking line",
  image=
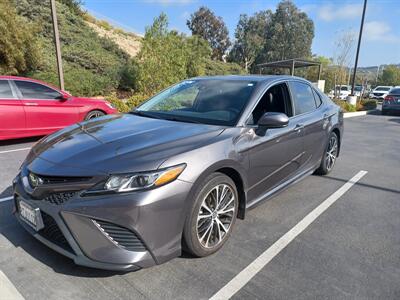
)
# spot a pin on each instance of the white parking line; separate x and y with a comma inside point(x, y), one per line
point(241, 279)
point(6, 199)
point(7, 289)
point(15, 150)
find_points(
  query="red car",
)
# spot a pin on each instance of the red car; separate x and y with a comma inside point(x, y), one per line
point(30, 107)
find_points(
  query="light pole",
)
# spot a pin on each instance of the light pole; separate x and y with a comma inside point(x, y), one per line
point(358, 48)
point(57, 44)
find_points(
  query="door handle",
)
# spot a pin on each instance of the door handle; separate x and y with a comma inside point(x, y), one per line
point(298, 127)
point(31, 104)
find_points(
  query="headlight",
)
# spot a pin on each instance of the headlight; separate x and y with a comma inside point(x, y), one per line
point(139, 181)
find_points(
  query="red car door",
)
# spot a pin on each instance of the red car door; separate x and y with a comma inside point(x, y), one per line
point(45, 109)
point(12, 114)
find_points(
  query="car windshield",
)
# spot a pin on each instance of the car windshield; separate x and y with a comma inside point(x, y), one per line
point(208, 101)
point(382, 89)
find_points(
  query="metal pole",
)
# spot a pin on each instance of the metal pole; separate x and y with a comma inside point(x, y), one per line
point(57, 44)
point(292, 68)
point(319, 72)
point(358, 48)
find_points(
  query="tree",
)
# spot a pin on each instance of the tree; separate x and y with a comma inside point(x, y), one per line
point(390, 76)
point(211, 28)
point(289, 35)
point(344, 45)
point(167, 57)
point(250, 38)
point(19, 50)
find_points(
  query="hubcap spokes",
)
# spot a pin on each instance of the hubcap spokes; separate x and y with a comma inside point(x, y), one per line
point(331, 153)
point(215, 215)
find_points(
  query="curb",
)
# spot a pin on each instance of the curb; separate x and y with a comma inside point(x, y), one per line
point(359, 113)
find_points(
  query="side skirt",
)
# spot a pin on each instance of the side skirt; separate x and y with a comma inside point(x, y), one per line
point(279, 188)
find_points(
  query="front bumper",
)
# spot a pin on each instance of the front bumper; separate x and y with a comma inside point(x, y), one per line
point(153, 219)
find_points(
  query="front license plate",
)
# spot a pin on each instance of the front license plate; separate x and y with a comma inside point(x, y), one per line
point(30, 216)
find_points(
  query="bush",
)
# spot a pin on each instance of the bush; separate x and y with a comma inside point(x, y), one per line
point(117, 103)
point(221, 68)
point(368, 104)
point(345, 106)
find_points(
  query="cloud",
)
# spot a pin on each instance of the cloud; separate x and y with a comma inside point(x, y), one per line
point(329, 12)
point(379, 31)
point(170, 2)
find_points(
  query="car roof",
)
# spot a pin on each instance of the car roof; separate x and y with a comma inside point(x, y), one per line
point(258, 78)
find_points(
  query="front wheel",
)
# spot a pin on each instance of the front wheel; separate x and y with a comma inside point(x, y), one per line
point(94, 114)
point(212, 216)
point(330, 155)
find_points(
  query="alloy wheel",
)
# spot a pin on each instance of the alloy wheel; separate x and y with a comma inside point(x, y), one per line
point(331, 153)
point(216, 215)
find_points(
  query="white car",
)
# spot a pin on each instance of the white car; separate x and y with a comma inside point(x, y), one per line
point(342, 91)
point(380, 92)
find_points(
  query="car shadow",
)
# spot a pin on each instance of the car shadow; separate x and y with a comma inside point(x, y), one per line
point(20, 141)
point(396, 120)
point(7, 192)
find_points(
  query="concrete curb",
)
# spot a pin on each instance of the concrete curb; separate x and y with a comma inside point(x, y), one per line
point(359, 113)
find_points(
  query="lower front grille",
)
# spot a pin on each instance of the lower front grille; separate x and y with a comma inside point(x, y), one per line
point(59, 198)
point(52, 232)
point(121, 236)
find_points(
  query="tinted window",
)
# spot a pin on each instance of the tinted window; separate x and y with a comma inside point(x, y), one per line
point(303, 97)
point(32, 90)
point(5, 90)
point(317, 97)
point(382, 89)
point(395, 92)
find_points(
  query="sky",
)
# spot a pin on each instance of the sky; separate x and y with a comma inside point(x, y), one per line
point(381, 35)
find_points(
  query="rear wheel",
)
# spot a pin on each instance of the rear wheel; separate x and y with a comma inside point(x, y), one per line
point(212, 217)
point(94, 114)
point(330, 155)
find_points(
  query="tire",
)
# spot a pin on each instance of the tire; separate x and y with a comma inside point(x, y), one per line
point(206, 235)
point(94, 114)
point(329, 156)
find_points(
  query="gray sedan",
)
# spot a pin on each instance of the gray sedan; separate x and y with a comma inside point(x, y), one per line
point(391, 103)
point(128, 191)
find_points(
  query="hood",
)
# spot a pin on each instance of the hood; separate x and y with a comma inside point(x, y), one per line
point(120, 143)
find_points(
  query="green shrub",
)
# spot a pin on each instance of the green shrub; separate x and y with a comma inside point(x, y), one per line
point(135, 100)
point(104, 24)
point(221, 68)
point(117, 103)
point(345, 106)
point(368, 104)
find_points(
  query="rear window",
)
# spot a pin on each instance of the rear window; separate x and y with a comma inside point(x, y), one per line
point(382, 89)
point(5, 90)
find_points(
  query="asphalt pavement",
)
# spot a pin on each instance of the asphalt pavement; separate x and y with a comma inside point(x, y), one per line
point(350, 250)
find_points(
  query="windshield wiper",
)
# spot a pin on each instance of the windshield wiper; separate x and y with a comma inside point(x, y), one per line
point(182, 120)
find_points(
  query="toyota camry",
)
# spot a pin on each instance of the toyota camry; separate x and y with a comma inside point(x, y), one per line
point(129, 191)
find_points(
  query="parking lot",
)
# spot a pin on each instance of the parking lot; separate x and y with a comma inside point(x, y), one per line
point(350, 249)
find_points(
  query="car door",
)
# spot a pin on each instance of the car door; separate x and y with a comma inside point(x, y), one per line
point(12, 114)
point(276, 154)
point(309, 112)
point(45, 110)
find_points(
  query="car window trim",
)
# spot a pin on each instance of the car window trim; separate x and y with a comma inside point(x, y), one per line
point(14, 94)
point(31, 81)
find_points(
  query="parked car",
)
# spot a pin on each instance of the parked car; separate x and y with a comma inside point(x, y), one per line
point(391, 103)
point(342, 91)
point(30, 107)
point(358, 90)
point(380, 92)
point(130, 191)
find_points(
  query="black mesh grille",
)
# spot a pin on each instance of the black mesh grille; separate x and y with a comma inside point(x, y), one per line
point(122, 236)
point(62, 179)
point(59, 198)
point(52, 232)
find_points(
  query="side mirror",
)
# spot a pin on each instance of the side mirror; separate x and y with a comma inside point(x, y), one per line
point(62, 97)
point(273, 120)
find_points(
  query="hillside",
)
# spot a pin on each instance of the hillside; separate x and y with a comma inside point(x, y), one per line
point(93, 63)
